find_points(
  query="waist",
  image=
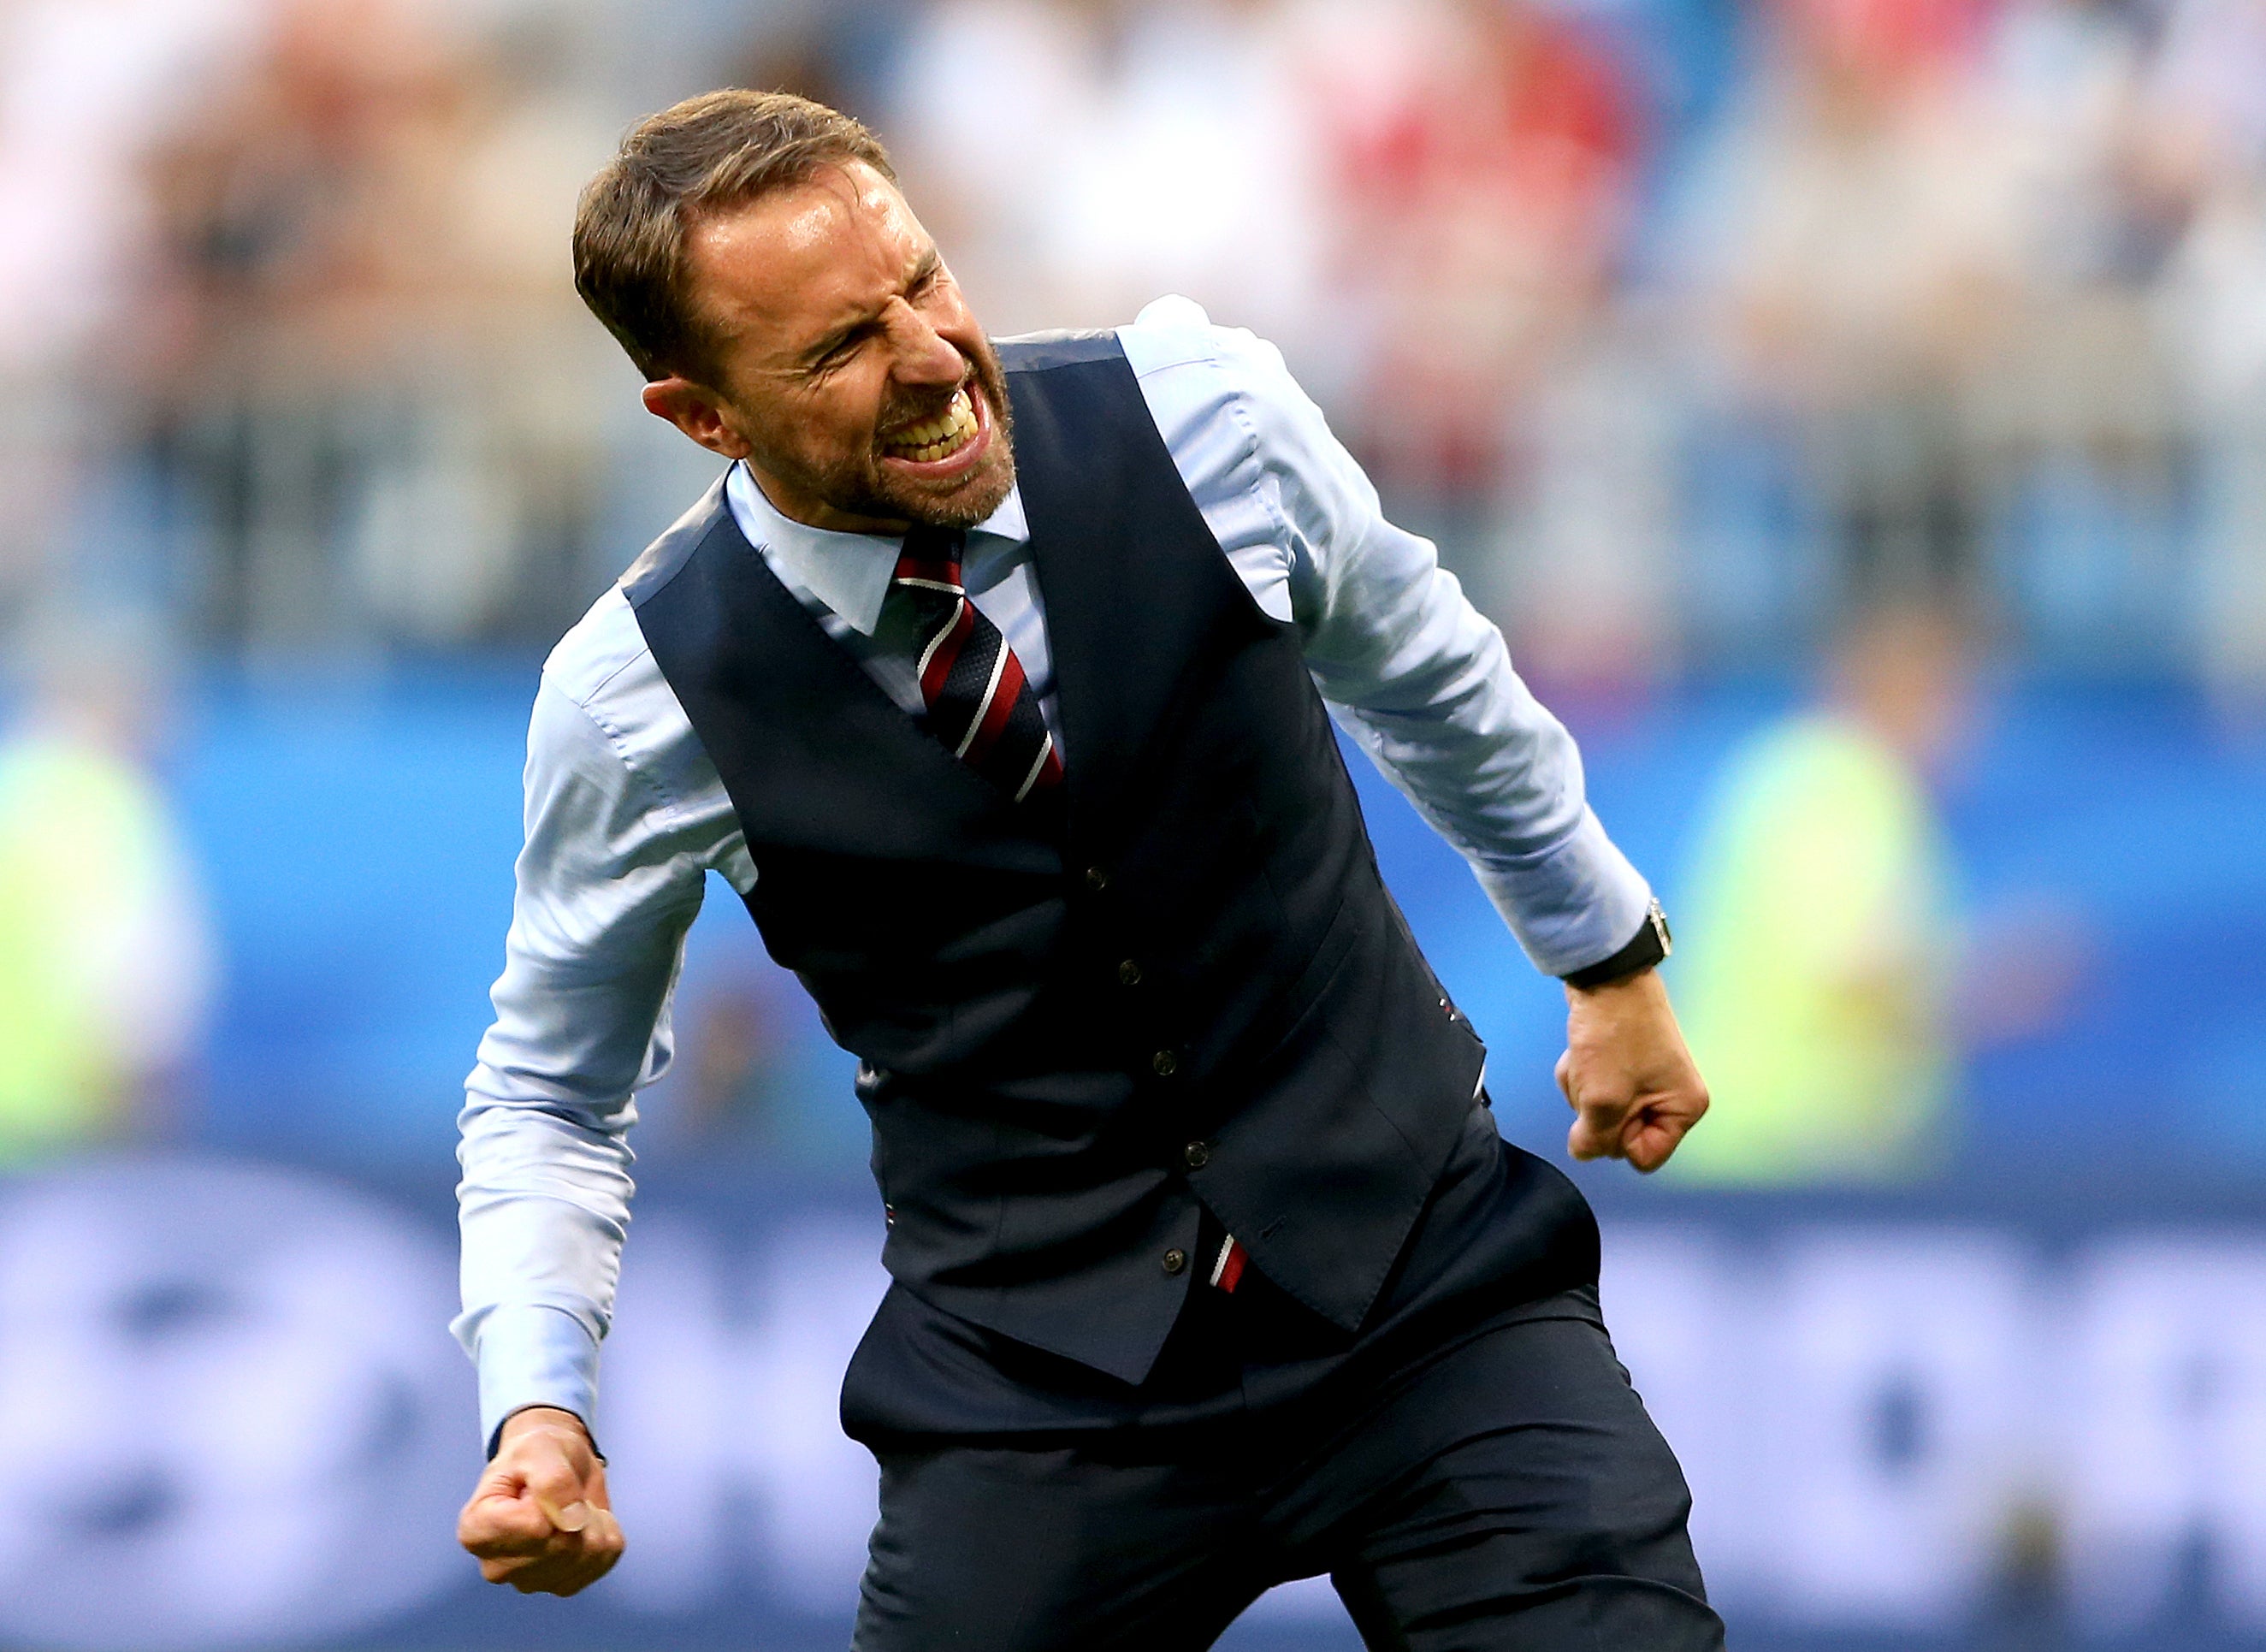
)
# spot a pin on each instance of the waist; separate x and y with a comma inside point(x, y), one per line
point(1502, 1233)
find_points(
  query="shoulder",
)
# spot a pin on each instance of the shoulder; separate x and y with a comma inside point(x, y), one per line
point(1221, 395)
point(604, 704)
point(607, 725)
point(604, 664)
point(1244, 433)
point(1175, 351)
point(1173, 340)
point(1192, 372)
point(666, 556)
point(589, 666)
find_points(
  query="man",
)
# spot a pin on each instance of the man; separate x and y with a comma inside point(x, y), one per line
point(1210, 1269)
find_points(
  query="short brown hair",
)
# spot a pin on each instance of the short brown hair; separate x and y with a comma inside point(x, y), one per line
point(706, 154)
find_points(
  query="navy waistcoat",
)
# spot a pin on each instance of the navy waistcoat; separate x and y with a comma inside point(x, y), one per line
point(1074, 1037)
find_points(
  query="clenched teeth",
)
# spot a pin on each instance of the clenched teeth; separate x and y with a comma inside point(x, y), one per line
point(937, 438)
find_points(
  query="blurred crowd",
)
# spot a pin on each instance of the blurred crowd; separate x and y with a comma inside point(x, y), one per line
point(283, 314)
point(1687, 326)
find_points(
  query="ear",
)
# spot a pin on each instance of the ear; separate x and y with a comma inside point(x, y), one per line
point(696, 412)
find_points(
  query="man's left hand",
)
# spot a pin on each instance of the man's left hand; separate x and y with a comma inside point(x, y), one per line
point(1627, 1074)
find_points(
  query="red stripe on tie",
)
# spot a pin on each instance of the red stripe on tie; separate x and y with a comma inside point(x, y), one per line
point(927, 568)
point(1051, 772)
point(1227, 1272)
point(940, 664)
point(1004, 693)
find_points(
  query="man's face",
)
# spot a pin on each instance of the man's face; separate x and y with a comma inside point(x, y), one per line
point(851, 375)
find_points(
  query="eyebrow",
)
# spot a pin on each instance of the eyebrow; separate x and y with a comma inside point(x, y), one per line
point(929, 262)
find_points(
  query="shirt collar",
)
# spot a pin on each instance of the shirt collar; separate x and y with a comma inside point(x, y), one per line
point(848, 572)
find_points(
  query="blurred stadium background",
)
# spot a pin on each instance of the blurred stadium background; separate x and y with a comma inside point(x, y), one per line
point(1853, 412)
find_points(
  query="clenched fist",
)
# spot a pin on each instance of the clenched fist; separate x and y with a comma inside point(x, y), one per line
point(539, 1519)
point(1627, 1074)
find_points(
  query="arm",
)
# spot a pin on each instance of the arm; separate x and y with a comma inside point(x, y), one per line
point(609, 880)
point(1424, 683)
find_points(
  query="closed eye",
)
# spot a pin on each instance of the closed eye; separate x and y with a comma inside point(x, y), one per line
point(925, 280)
point(837, 353)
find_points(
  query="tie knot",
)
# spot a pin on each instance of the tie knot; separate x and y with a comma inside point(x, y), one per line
point(931, 556)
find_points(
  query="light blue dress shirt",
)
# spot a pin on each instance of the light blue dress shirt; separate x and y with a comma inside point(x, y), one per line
point(626, 815)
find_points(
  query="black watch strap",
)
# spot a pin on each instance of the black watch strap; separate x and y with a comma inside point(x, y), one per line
point(1652, 944)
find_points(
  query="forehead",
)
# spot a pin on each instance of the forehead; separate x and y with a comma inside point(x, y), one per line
point(784, 270)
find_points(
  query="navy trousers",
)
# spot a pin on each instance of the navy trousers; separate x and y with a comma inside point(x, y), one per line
point(1473, 1472)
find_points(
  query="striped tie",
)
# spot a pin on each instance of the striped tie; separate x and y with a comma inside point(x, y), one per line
point(979, 702)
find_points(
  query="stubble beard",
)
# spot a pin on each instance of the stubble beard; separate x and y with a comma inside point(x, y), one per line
point(865, 486)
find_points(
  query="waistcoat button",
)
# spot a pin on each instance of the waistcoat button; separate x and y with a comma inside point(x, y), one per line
point(1175, 1260)
point(1128, 973)
point(1164, 1063)
point(1096, 878)
point(1196, 1155)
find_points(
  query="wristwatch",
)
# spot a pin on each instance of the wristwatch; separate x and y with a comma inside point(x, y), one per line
point(1652, 944)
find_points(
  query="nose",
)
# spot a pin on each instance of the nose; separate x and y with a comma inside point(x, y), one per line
point(923, 356)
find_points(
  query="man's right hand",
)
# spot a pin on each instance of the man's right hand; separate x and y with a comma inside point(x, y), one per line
point(539, 1519)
